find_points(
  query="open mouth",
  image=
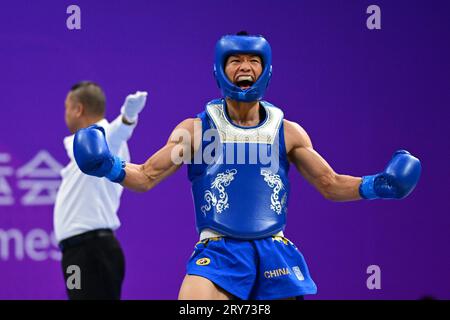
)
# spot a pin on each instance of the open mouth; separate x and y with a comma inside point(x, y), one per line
point(244, 82)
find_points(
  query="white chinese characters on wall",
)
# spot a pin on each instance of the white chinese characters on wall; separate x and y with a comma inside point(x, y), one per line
point(39, 178)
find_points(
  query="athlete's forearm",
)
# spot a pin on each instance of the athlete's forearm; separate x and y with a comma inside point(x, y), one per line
point(136, 179)
point(141, 178)
point(342, 188)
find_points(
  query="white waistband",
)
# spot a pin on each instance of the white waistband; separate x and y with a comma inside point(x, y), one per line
point(208, 233)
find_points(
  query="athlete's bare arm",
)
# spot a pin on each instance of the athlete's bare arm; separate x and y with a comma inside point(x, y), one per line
point(315, 169)
point(143, 177)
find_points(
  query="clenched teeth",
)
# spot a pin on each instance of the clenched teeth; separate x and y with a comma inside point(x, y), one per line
point(244, 78)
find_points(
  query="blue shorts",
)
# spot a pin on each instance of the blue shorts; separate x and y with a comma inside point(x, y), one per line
point(262, 269)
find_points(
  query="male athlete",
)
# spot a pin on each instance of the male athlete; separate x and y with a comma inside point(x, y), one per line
point(238, 151)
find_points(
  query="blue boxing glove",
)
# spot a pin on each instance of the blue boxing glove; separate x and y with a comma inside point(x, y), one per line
point(93, 156)
point(397, 181)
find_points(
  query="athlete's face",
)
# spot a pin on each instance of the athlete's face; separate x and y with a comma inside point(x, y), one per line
point(243, 69)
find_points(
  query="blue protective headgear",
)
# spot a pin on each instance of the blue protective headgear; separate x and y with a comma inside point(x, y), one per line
point(243, 44)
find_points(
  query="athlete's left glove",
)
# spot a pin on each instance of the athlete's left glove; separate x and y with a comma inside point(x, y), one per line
point(93, 156)
point(397, 181)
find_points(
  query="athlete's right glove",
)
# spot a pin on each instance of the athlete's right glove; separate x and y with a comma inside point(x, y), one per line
point(397, 181)
point(93, 156)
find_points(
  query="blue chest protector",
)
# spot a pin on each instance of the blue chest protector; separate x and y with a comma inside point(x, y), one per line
point(239, 175)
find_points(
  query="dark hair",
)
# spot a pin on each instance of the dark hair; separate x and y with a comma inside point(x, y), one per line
point(91, 96)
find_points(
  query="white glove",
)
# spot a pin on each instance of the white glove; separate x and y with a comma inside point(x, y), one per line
point(134, 103)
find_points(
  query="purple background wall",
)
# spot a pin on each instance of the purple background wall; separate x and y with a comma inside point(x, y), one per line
point(360, 94)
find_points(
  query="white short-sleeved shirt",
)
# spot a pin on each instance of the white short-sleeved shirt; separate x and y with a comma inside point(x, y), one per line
point(84, 203)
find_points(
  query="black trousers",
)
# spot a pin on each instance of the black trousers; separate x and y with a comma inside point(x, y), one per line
point(99, 258)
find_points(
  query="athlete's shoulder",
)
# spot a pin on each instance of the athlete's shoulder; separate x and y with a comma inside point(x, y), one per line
point(295, 134)
point(188, 124)
point(292, 125)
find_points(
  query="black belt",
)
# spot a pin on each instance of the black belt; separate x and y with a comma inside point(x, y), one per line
point(80, 238)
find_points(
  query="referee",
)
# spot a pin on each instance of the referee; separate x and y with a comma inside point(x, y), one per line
point(85, 212)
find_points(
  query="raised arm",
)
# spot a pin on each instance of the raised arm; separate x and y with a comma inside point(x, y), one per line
point(122, 127)
point(165, 161)
point(94, 157)
point(397, 181)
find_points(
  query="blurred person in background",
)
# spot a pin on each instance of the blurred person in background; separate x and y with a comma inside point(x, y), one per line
point(85, 212)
